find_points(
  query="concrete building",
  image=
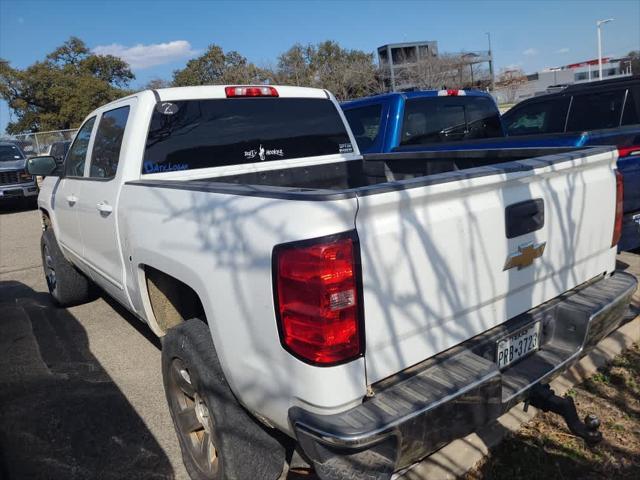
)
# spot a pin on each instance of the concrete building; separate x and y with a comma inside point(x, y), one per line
point(397, 58)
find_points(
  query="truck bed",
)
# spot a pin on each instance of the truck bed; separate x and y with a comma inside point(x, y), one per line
point(375, 173)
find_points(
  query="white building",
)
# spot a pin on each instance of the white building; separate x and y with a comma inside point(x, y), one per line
point(550, 79)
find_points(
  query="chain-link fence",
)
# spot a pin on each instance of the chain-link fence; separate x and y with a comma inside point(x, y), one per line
point(41, 143)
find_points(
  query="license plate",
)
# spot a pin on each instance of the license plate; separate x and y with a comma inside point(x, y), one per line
point(518, 345)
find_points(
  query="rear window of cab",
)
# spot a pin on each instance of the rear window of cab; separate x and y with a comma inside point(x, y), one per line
point(192, 134)
point(446, 119)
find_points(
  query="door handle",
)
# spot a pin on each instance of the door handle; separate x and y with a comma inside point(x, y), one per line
point(104, 207)
point(72, 199)
point(524, 217)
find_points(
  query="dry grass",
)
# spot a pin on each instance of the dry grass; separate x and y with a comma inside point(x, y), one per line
point(544, 448)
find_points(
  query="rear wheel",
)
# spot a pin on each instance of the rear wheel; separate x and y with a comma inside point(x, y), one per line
point(66, 284)
point(219, 439)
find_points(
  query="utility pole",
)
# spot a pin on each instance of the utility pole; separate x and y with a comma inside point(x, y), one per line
point(491, 62)
point(598, 24)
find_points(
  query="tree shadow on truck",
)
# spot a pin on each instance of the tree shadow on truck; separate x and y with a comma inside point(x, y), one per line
point(61, 414)
point(227, 227)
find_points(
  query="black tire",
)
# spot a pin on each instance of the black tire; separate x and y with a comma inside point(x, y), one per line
point(219, 439)
point(66, 284)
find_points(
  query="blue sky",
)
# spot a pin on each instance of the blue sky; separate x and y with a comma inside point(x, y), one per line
point(158, 37)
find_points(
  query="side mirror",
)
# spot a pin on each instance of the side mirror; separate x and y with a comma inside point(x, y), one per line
point(43, 166)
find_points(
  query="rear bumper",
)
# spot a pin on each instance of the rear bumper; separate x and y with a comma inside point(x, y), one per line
point(456, 392)
point(18, 190)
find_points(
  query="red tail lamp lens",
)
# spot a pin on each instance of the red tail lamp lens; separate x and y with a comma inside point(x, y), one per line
point(617, 226)
point(317, 301)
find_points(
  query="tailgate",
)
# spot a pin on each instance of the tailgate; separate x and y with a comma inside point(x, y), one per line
point(434, 254)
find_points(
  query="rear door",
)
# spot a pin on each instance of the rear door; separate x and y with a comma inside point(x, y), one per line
point(97, 208)
point(434, 256)
point(538, 117)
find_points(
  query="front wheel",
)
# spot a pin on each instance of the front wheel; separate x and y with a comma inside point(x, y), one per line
point(219, 439)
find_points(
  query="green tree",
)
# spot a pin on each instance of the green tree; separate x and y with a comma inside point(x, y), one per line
point(345, 73)
point(58, 92)
point(216, 67)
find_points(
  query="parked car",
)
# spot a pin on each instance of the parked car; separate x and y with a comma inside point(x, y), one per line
point(595, 113)
point(365, 311)
point(15, 181)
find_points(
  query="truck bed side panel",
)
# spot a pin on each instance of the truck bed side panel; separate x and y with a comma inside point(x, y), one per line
point(221, 246)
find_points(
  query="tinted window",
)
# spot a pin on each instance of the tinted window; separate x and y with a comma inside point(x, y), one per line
point(74, 164)
point(596, 110)
point(106, 146)
point(365, 124)
point(548, 116)
point(59, 150)
point(10, 153)
point(446, 119)
point(208, 133)
point(630, 115)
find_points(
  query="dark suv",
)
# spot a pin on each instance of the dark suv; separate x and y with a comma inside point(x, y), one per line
point(596, 113)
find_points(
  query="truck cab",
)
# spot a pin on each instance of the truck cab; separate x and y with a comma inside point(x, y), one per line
point(385, 122)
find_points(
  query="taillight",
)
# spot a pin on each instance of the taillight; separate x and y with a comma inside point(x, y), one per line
point(317, 300)
point(629, 150)
point(617, 226)
point(250, 92)
point(452, 92)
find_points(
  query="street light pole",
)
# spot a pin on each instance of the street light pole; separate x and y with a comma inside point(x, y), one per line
point(598, 24)
point(491, 63)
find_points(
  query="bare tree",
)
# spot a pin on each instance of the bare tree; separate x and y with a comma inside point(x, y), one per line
point(509, 82)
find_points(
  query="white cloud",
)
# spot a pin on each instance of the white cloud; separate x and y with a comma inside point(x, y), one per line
point(563, 50)
point(514, 66)
point(144, 56)
point(530, 52)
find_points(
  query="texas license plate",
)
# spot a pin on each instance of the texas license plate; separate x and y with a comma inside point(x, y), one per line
point(518, 345)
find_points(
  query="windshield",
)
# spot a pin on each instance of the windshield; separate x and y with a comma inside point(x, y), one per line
point(10, 153)
point(447, 119)
point(185, 135)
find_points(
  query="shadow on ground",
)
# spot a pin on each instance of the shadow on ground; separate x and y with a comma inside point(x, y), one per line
point(61, 415)
point(15, 205)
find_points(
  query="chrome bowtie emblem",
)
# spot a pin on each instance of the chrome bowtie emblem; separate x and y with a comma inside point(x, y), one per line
point(525, 255)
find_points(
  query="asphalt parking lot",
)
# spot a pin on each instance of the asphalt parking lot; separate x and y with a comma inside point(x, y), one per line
point(82, 393)
point(81, 389)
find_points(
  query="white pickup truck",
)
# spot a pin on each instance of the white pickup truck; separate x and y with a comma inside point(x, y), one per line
point(360, 312)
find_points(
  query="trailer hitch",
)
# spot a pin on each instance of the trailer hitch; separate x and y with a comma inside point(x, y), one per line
point(545, 399)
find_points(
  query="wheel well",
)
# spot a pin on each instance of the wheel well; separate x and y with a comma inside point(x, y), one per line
point(172, 301)
point(46, 219)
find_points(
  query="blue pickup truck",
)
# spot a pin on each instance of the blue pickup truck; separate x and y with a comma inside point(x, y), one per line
point(601, 113)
